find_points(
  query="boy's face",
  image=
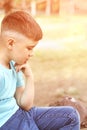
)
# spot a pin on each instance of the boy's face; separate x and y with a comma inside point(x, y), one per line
point(21, 50)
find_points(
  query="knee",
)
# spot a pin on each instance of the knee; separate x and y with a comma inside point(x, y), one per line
point(75, 116)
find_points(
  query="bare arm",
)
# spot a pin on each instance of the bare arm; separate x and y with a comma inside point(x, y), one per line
point(25, 95)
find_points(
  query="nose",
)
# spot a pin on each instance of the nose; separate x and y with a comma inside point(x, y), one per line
point(31, 53)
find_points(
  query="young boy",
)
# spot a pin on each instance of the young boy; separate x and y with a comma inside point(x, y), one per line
point(20, 33)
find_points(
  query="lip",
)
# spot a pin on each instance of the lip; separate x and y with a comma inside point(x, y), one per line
point(26, 60)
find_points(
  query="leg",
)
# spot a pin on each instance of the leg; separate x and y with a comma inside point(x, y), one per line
point(21, 120)
point(56, 118)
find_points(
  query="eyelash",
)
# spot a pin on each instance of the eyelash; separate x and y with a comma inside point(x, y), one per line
point(29, 49)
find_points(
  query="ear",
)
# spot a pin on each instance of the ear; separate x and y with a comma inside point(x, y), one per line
point(11, 43)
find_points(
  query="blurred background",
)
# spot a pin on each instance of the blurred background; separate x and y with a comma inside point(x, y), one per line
point(45, 7)
point(59, 63)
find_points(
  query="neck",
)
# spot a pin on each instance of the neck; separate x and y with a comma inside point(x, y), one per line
point(4, 60)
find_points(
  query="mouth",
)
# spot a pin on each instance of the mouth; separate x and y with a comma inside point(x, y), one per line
point(26, 61)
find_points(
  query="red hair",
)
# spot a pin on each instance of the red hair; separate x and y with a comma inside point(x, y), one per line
point(22, 22)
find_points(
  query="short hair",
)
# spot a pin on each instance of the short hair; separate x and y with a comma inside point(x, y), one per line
point(22, 22)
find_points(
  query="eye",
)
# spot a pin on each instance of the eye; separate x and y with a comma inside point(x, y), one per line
point(29, 48)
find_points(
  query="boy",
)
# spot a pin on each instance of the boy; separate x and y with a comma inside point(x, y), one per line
point(20, 33)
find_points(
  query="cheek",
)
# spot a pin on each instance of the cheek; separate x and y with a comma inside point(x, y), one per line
point(27, 52)
point(24, 53)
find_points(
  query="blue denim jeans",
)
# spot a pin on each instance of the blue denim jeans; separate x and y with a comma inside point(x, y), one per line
point(44, 118)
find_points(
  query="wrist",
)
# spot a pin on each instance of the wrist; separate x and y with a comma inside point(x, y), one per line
point(29, 77)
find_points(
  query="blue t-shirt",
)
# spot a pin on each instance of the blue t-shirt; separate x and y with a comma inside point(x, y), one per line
point(9, 80)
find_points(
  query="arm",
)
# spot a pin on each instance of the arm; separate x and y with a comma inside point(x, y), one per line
point(25, 95)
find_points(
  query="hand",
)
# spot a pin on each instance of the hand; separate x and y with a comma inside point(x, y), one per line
point(25, 68)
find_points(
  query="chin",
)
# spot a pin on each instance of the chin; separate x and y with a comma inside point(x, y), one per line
point(19, 63)
point(22, 62)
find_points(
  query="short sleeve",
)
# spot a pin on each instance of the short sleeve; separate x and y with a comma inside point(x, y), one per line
point(20, 79)
point(1, 82)
point(2, 85)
